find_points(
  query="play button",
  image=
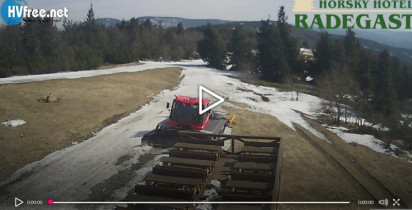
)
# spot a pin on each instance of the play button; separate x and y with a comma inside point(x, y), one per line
point(201, 89)
point(17, 202)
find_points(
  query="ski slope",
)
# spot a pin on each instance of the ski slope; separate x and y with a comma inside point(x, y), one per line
point(71, 174)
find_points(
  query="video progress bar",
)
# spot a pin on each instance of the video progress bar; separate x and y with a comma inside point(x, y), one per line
point(198, 202)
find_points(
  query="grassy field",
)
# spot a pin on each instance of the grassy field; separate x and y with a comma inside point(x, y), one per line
point(86, 105)
point(391, 172)
point(308, 174)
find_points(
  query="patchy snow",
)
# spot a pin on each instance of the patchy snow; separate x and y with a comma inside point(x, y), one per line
point(366, 140)
point(14, 123)
point(215, 184)
point(71, 173)
point(407, 116)
point(205, 206)
point(209, 195)
point(280, 105)
point(81, 74)
point(360, 121)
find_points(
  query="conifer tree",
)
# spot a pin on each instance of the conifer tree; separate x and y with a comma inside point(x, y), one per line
point(212, 48)
point(239, 48)
point(271, 60)
point(90, 19)
point(323, 54)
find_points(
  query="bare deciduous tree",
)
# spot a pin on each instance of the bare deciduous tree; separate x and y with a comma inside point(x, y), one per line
point(339, 90)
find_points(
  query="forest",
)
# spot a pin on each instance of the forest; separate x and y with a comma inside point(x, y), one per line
point(354, 80)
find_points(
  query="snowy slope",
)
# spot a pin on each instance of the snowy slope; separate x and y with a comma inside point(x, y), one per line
point(71, 173)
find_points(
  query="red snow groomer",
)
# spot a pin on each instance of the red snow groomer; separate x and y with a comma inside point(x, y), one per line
point(184, 115)
point(184, 112)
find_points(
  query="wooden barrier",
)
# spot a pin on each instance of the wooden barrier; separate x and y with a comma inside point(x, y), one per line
point(253, 167)
point(194, 173)
point(253, 177)
point(249, 186)
point(174, 161)
point(193, 155)
point(257, 158)
point(185, 195)
point(259, 150)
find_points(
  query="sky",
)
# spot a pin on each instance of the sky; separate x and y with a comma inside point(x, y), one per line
point(240, 10)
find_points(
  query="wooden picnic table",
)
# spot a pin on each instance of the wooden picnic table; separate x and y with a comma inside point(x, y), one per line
point(194, 173)
point(253, 177)
point(257, 158)
point(262, 150)
point(254, 167)
point(206, 164)
point(199, 155)
point(248, 185)
point(154, 179)
point(216, 149)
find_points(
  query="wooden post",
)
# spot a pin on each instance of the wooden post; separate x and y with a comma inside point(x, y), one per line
point(233, 145)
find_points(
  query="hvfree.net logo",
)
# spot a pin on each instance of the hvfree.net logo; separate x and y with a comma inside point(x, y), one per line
point(13, 12)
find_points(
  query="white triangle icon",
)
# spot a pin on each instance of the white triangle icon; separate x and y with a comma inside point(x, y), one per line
point(17, 202)
point(201, 89)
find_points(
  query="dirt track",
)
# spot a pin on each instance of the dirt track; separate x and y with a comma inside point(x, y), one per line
point(87, 105)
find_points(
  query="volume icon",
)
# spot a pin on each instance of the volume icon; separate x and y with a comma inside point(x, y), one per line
point(383, 202)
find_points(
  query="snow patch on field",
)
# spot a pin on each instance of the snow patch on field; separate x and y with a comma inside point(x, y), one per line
point(14, 123)
point(81, 74)
point(209, 195)
point(367, 141)
point(280, 105)
point(216, 184)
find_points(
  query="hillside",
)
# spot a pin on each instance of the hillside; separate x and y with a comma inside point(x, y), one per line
point(187, 23)
point(109, 22)
point(167, 22)
point(397, 39)
point(403, 54)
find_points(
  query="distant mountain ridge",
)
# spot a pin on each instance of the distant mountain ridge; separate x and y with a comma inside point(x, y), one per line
point(167, 22)
point(399, 39)
point(110, 22)
point(187, 23)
